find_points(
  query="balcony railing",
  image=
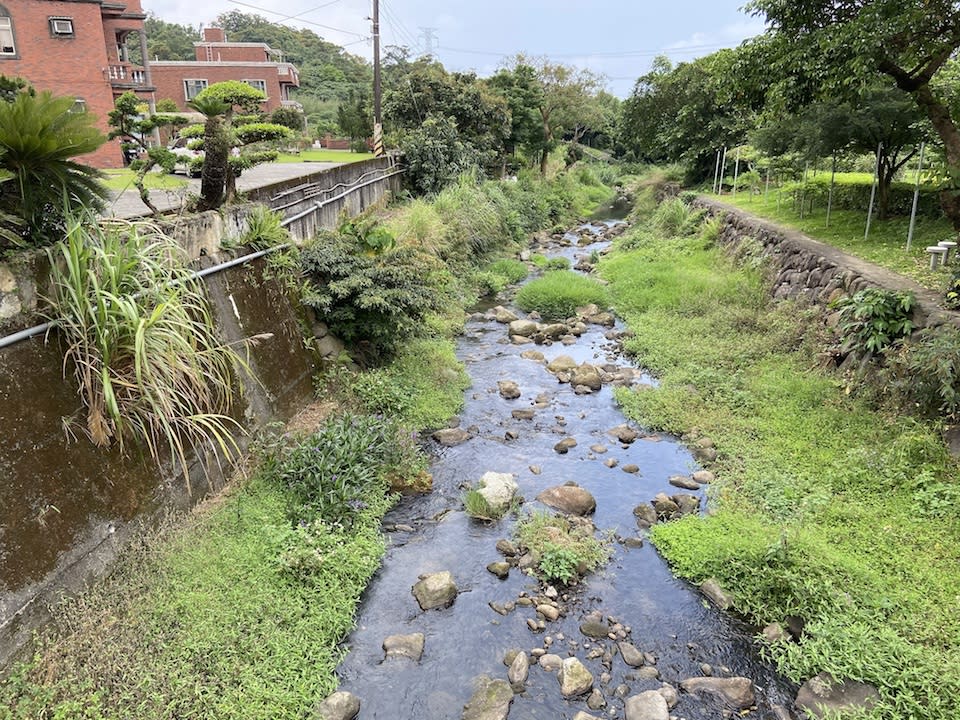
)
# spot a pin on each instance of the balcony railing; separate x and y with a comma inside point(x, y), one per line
point(126, 75)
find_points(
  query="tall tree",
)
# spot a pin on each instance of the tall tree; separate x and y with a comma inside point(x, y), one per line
point(842, 43)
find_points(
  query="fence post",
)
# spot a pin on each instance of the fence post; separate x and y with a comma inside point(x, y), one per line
point(716, 172)
point(736, 173)
point(723, 169)
point(833, 177)
point(873, 191)
point(916, 199)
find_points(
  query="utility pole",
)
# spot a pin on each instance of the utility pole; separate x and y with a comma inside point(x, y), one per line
point(429, 38)
point(377, 115)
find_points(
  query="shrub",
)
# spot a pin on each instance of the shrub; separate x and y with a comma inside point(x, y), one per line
point(671, 216)
point(372, 302)
point(435, 154)
point(873, 319)
point(336, 472)
point(852, 192)
point(559, 293)
point(264, 229)
point(513, 270)
point(925, 373)
point(557, 263)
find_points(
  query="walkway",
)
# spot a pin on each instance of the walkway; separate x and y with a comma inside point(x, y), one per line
point(127, 203)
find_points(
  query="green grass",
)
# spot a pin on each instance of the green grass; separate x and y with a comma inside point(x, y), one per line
point(886, 245)
point(559, 293)
point(205, 622)
point(337, 156)
point(824, 508)
point(564, 550)
point(123, 180)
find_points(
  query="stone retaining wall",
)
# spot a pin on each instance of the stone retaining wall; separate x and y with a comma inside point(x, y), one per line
point(806, 268)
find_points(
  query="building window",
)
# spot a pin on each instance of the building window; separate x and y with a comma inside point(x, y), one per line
point(61, 26)
point(260, 85)
point(7, 46)
point(192, 88)
point(79, 106)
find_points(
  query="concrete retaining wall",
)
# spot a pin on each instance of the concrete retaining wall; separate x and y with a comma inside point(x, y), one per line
point(66, 507)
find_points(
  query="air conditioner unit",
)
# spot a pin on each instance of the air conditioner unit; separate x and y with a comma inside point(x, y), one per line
point(61, 26)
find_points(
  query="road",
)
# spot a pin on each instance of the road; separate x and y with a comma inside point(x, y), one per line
point(127, 203)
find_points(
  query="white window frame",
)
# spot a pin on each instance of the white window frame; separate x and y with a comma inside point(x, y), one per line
point(260, 85)
point(79, 105)
point(61, 26)
point(189, 83)
point(6, 26)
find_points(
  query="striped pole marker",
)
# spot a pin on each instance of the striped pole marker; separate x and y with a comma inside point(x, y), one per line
point(378, 140)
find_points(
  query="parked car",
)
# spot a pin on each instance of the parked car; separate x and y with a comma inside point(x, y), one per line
point(189, 160)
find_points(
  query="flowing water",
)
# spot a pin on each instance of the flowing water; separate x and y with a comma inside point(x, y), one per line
point(668, 618)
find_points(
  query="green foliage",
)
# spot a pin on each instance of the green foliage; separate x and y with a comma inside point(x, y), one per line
point(289, 117)
point(512, 270)
point(565, 549)
point(923, 372)
point(264, 229)
point(233, 94)
point(141, 343)
point(367, 232)
point(11, 87)
point(435, 154)
point(557, 263)
point(852, 192)
point(261, 132)
point(873, 319)
point(823, 509)
point(477, 507)
point(39, 137)
point(337, 472)
point(672, 217)
point(559, 293)
point(372, 302)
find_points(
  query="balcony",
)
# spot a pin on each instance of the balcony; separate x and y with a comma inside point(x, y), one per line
point(292, 104)
point(288, 74)
point(125, 75)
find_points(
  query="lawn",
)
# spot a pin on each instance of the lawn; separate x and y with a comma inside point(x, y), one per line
point(886, 245)
point(119, 180)
point(337, 156)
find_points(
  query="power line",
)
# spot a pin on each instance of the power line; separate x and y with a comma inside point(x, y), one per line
point(397, 25)
point(308, 22)
point(621, 54)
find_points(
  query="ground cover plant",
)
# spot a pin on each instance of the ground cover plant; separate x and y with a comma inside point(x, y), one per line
point(825, 509)
point(565, 549)
point(558, 294)
point(886, 245)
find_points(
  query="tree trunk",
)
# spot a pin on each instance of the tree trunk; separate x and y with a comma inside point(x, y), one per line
point(142, 189)
point(213, 176)
point(942, 122)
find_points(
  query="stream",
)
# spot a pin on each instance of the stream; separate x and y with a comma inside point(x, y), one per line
point(680, 633)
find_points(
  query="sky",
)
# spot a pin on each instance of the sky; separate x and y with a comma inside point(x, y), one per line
point(618, 39)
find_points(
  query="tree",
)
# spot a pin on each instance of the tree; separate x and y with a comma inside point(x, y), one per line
point(566, 101)
point(219, 103)
point(435, 154)
point(522, 91)
point(39, 137)
point(355, 116)
point(131, 121)
point(843, 44)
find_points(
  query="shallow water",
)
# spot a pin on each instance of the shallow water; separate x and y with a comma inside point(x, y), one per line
point(668, 618)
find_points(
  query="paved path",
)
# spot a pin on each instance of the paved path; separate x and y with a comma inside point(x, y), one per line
point(127, 203)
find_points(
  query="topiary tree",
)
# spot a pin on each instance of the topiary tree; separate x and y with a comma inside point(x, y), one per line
point(220, 103)
point(132, 122)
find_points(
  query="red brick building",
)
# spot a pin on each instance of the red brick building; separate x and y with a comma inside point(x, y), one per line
point(77, 48)
point(218, 60)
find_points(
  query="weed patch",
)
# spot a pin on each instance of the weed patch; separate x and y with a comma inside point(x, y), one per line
point(559, 293)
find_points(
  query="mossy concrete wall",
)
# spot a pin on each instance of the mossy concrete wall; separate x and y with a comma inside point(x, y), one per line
point(66, 507)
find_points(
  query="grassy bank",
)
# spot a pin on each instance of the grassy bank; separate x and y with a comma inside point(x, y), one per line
point(238, 609)
point(825, 509)
point(885, 246)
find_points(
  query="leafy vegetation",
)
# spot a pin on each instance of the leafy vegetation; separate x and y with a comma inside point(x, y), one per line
point(559, 293)
point(477, 507)
point(825, 509)
point(565, 549)
point(264, 229)
point(141, 343)
point(873, 319)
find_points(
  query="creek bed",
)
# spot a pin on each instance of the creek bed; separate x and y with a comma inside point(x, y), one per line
point(668, 619)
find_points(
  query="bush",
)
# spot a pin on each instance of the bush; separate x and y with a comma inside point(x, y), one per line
point(513, 271)
point(558, 294)
point(338, 471)
point(873, 319)
point(565, 550)
point(372, 302)
point(924, 373)
point(852, 192)
point(435, 154)
point(264, 229)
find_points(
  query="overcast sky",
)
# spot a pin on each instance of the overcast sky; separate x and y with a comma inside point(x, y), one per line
point(618, 38)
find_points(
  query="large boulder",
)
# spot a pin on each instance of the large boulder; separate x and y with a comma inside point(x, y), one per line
point(509, 390)
point(448, 437)
point(570, 498)
point(561, 363)
point(575, 679)
point(503, 315)
point(737, 692)
point(649, 705)
point(587, 375)
point(519, 671)
point(490, 701)
point(523, 328)
point(498, 489)
point(435, 590)
point(823, 694)
point(339, 706)
point(631, 654)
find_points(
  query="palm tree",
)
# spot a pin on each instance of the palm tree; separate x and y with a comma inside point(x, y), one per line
point(39, 136)
point(216, 148)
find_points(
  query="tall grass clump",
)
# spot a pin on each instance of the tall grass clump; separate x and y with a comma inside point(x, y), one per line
point(476, 228)
point(264, 229)
point(141, 342)
point(671, 216)
point(419, 224)
point(559, 293)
